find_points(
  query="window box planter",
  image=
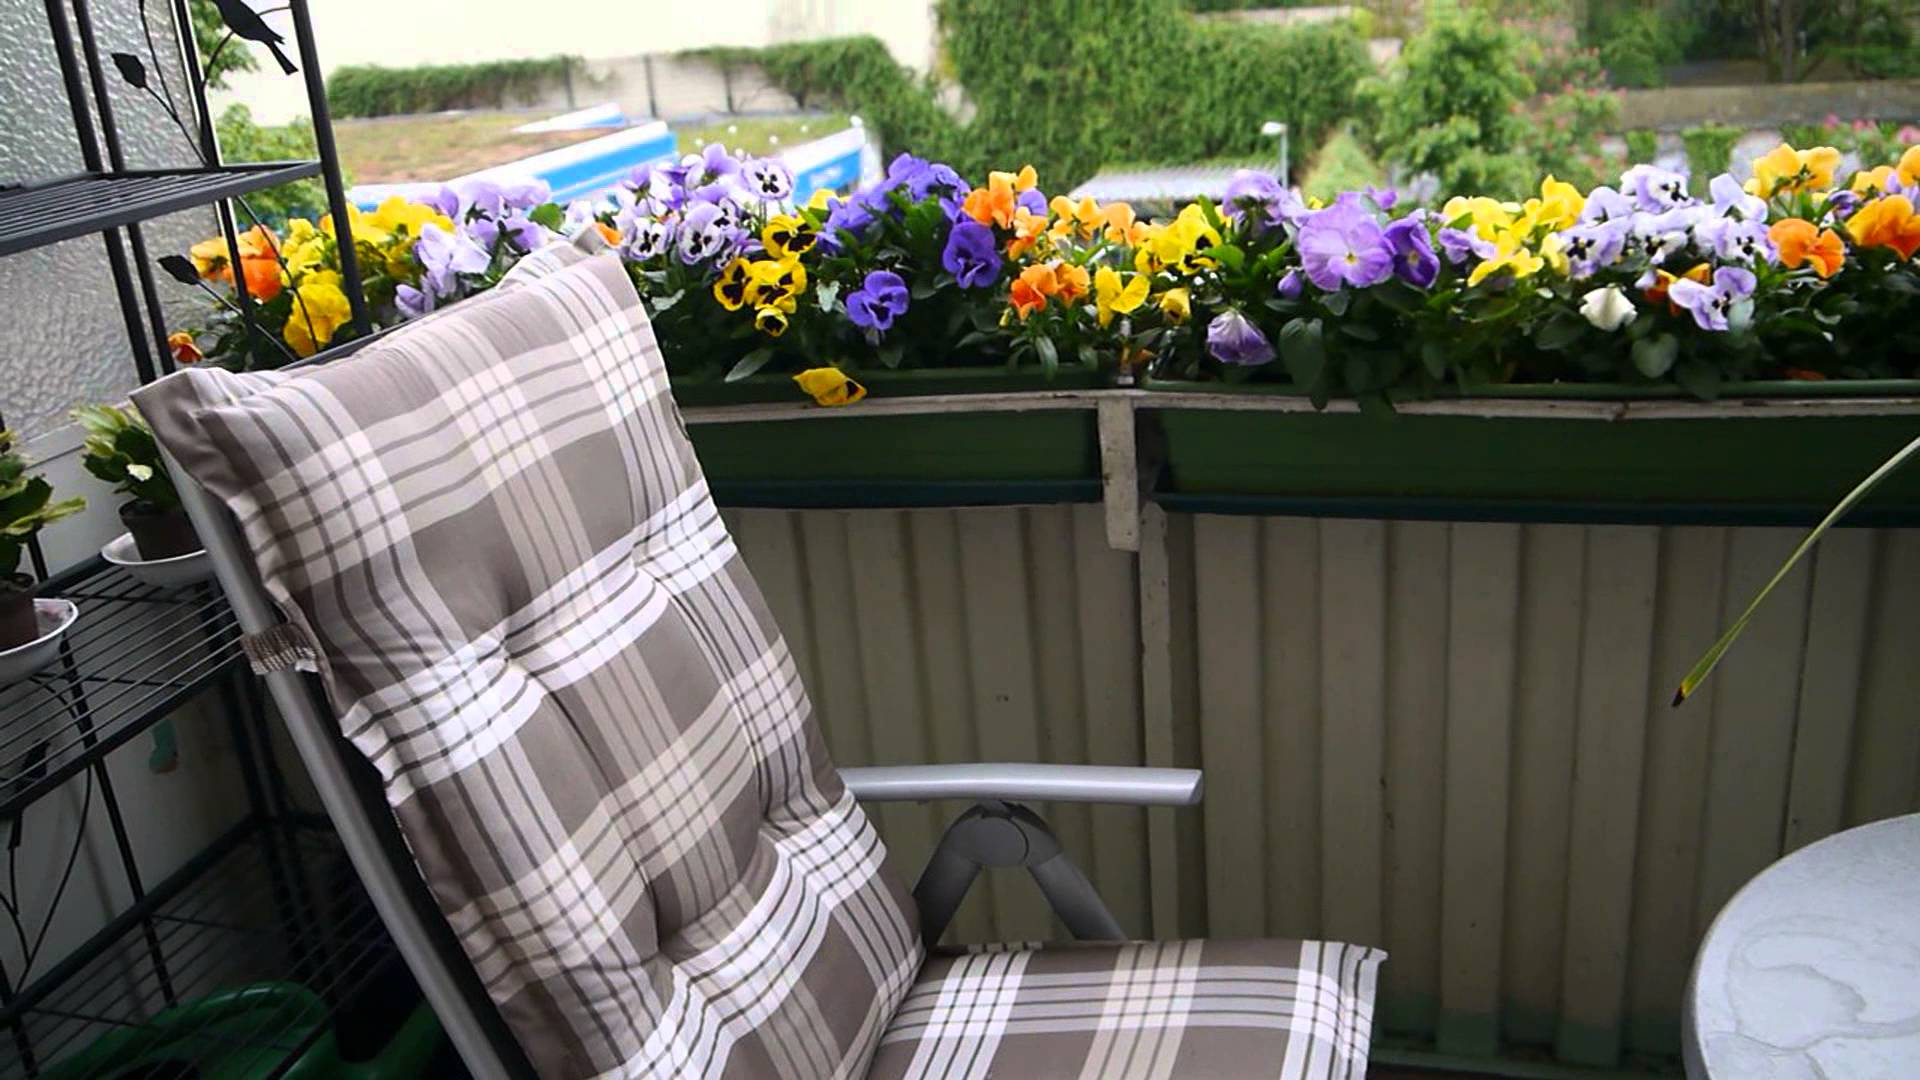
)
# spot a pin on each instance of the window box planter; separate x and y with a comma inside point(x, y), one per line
point(764, 443)
point(1765, 453)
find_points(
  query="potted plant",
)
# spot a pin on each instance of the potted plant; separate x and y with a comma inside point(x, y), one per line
point(120, 450)
point(26, 504)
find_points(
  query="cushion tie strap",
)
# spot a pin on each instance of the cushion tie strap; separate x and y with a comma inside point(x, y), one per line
point(285, 647)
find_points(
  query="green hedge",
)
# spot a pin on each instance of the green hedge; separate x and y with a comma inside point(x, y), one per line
point(1710, 148)
point(369, 90)
point(1068, 86)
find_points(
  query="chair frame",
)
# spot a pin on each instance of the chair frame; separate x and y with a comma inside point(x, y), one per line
point(997, 832)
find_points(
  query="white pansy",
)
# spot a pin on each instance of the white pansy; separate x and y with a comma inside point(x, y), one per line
point(1608, 308)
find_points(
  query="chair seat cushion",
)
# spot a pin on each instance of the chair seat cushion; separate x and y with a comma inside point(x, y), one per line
point(1187, 1009)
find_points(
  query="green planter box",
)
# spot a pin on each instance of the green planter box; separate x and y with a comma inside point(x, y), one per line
point(1721, 469)
point(850, 457)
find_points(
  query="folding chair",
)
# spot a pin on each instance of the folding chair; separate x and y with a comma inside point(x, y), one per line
point(616, 845)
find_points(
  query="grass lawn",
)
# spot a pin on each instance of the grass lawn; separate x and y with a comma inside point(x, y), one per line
point(761, 135)
point(439, 146)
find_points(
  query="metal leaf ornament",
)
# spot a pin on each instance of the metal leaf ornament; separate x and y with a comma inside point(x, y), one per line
point(131, 69)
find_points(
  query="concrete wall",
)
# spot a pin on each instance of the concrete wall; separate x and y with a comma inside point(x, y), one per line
point(1769, 105)
point(452, 31)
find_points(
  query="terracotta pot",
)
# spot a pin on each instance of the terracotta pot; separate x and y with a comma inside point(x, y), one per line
point(159, 534)
point(18, 624)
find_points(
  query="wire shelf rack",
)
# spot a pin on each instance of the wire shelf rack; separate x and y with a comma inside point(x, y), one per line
point(259, 957)
point(135, 653)
point(42, 214)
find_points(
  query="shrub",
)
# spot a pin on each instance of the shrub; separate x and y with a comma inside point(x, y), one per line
point(1078, 104)
point(1635, 44)
point(243, 140)
point(370, 90)
point(1709, 148)
point(1451, 104)
point(1342, 164)
point(1643, 144)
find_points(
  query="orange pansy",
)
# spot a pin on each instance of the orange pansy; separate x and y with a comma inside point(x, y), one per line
point(1031, 289)
point(1074, 281)
point(1888, 222)
point(1800, 243)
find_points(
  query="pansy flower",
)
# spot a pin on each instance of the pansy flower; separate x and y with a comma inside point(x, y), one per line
point(1801, 244)
point(1344, 245)
point(768, 179)
point(1712, 303)
point(788, 234)
point(1233, 339)
point(1654, 189)
point(1112, 296)
point(971, 255)
point(881, 298)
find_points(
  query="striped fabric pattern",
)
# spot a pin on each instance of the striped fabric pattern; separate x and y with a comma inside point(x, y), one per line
point(1196, 1010)
point(490, 531)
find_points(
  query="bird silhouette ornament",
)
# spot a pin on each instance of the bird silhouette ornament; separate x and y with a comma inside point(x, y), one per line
point(247, 23)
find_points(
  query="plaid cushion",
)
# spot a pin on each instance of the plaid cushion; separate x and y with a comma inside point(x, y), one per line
point(1189, 1009)
point(492, 532)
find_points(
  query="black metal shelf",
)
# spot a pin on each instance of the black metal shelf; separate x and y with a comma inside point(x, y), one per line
point(48, 213)
point(135, 653)
point(268, 920)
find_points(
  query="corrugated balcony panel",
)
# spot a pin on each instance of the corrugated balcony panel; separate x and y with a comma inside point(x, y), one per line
point(1450, 739)
point(1456, 740)
point(968, 635)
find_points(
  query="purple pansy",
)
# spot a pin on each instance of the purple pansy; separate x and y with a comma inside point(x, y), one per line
point(1654, 189)
point(648, 238)
point(971, 255)
point(1594, 245)
point(1233, 339)
point(767, 179)
point(1711, 304)
point(879, 300)
point(1344, 245)
point(1730, 197)
point(1291, 285)
point(1412, 246)
point(444, 256)
point(1605, 204)
point(1736, 241)
point(1384, 198)
point(703, 234)
point(1462, 244)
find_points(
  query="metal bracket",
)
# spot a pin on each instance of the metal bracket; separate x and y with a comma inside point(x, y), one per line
point(1001, 835)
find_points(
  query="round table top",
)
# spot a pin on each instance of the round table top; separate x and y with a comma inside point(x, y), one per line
point(1813, 969)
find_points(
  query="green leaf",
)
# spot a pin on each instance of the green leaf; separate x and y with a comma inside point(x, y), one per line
point(1049, 355)
point(1653, 357)
point(1376, 406)
point(1711, 659)
point(1360, 331)
point(666, 302)
point(1336, 302)
point(1227, 255)
point(1303, 351)
point(1434, 359)
point(548, 215)
point(749, 364)
point(891, 353)
point(1559, 333)
point(923, 289)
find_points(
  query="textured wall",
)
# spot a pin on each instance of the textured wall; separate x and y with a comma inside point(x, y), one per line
point(62, 341)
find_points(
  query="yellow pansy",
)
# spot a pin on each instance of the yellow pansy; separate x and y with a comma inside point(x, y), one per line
point(1557, 207)
point(1111, 297)
point(1488, 218)
point(1511, 257)
point(1909, 167)
point(306, 248)
point(1176, 305)
point(731, 288)
point(397, 215)
point(830, 386)
point(1085, 215)
point(771, 320)
point(788, 235)
point(1869, 181)
point(1553, 249)
point(320, 308)
point(1786, 169)
point(1180, 246)
point(775, 283)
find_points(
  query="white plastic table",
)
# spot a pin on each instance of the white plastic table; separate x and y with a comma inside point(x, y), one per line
point(1813, 969)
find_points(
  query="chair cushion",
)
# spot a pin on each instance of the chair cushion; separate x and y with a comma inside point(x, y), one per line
point(492, 534)
point(1189, 1009)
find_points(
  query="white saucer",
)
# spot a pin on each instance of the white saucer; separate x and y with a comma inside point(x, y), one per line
point(164, 573)
point(55, 618)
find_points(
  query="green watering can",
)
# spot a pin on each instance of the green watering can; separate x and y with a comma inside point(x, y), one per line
point(217, 1038)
